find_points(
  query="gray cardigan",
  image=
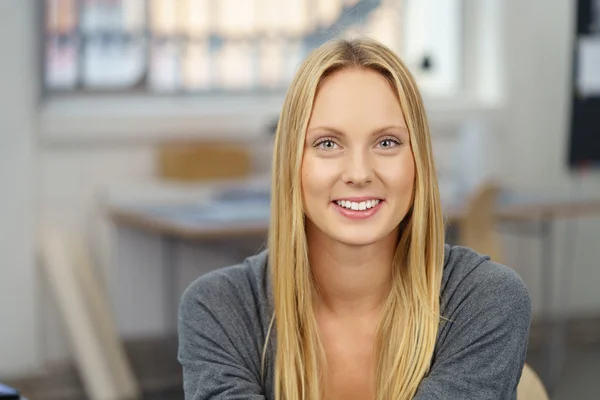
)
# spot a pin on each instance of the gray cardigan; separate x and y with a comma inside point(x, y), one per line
point(224, 316)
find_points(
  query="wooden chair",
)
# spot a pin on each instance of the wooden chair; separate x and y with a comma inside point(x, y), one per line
point(530, 386)
point(477, 227)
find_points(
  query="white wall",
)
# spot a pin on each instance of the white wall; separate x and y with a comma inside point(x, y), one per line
point(530, 141)
point(19, 325)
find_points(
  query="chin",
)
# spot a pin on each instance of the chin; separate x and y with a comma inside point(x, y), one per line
point(351, 237)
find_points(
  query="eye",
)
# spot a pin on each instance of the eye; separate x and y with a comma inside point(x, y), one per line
point(326, 144)
point(389, 142)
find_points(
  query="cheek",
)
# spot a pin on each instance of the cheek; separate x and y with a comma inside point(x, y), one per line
point(310, 188)
point(318, 179)
point(401, 176)
point(309, 180)
point(313, 174)
point(306, 175)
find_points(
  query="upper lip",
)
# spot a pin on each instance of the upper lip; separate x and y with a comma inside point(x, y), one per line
point(358, 199)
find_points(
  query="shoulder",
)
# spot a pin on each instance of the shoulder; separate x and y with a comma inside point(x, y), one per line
point(482, 340)
point(231, 292)
point(471, 280)
point(223, 320)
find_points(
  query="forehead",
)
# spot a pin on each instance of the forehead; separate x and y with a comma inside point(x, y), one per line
point(356, 97)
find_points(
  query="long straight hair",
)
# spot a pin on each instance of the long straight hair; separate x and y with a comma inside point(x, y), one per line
point(407, 331)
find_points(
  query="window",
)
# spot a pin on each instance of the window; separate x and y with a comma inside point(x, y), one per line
point(233, 46)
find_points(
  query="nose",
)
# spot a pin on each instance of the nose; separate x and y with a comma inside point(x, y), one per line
point(357, 168)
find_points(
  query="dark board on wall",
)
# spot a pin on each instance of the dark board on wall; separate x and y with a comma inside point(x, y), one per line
point(584, 138)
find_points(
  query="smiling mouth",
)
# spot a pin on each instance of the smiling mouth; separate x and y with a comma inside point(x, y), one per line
point(358, 205)
point(358, 210)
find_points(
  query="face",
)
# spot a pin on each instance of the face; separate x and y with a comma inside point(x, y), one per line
point(358, 168)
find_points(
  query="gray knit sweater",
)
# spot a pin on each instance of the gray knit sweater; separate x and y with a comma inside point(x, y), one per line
point(224, 316)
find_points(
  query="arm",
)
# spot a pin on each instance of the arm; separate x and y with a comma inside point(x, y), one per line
point(483, 349)
point(216, 363)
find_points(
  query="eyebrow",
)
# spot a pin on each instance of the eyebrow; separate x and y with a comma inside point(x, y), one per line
point(373, 133)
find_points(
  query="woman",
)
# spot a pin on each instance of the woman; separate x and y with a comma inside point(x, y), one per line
point(357, 296)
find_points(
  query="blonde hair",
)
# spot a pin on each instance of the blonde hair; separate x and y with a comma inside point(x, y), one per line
point(407, 331)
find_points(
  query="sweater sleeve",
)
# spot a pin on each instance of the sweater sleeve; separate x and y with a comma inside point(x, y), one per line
point(215, 343)
point(481, 350)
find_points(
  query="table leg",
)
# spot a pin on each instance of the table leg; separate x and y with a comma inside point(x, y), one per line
point(547, 270)
point(559, 330)
point(547, 282)
point(170, 281)
point(554, 322)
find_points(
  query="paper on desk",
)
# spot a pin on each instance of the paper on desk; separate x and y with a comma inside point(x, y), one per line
point(588, 66)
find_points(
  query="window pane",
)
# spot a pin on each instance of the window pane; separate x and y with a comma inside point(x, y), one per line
point(271, 65)
point(61, 63)
point(101, 16)
point(268, 18)
point(234, 66)
point(164, 72)
point(196, 66)
point(294, 18)
point(61, 45)
point(61, 17)
point(196, 18)
point(235, 18)
point(293, 55)
point(385, 24)
point(329, 12)
point(163, 17)
point(134, 15)
point(116, 63)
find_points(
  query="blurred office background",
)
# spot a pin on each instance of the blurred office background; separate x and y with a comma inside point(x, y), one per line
point(109, 107)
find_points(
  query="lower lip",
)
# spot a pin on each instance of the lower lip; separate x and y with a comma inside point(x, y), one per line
point(357, 214)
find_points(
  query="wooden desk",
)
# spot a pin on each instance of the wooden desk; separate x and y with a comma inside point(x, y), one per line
point(212, 211)
point(170, 219)
point(530, 210)
point(149, 222)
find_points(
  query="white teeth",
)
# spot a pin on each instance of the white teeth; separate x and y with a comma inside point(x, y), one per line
point(363, 205)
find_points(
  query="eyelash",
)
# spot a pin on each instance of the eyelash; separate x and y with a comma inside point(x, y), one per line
point(325, 140)
point(392, 139)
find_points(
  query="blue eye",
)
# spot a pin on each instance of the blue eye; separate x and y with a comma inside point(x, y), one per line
point(326, 144)
point(389, 143)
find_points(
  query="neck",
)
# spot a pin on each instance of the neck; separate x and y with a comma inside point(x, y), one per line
point(351, 280)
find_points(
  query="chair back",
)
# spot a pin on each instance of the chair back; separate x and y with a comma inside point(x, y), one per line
point(477, 227)
point(530, 386)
